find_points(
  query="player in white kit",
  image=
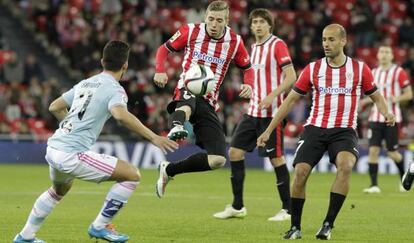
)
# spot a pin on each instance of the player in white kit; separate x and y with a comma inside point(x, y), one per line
point(91, 103)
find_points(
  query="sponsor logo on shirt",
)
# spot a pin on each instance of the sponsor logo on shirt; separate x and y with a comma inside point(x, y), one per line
point(207, 58)
point(330, 90)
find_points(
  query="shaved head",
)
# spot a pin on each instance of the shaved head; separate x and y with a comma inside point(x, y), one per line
point(338, 29)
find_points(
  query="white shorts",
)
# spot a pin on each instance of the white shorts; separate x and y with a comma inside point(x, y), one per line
point(87, 166)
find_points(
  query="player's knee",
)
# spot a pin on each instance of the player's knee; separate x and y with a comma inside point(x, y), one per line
point(134, 174)
point(345, 169)
point(301, 173)
point(394, 155)
point(236, 154)
point(62, 189)
point(216, 161)
point(187, 111)
point(374, 151)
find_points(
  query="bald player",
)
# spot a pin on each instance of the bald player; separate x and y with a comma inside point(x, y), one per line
point(336, 82)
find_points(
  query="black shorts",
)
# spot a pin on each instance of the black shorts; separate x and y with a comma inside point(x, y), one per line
point(379, 131)
point(315, 141)
point(250, 128)
point(207, 128)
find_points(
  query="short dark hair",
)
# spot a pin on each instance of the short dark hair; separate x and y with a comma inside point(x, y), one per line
point(263, 13)
point(115, 54)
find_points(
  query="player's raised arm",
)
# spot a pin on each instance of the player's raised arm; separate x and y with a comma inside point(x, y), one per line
point(176, 43)
point(121, 114)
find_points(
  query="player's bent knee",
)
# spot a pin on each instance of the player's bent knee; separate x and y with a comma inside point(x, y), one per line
point(62, 189)
point(236, 154)
point(394, 155)
point(216, 161)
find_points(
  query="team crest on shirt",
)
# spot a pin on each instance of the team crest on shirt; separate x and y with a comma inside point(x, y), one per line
point(349, 76)
point(175, 36)
point(225, 46)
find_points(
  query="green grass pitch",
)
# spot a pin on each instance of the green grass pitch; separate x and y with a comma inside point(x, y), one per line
point(185, 213)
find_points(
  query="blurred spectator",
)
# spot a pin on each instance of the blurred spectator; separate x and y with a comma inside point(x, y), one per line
point(13, 70)
point(32, 69)
point(363, 24)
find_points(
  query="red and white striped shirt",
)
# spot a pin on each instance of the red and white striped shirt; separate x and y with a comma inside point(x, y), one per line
point(215, 53)
point(335, 91)
point(390, 83)
point(267, 60)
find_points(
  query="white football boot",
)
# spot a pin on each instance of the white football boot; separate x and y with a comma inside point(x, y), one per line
point(372, 189)
point(163, 179)
point(177, 133)
point(282, 215)
point(230, 212)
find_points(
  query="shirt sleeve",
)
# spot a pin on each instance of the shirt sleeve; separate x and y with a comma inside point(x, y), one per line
point(303, 84)
point(179, 40)
point(403, 79)
point(242, 59)
point(119, 97)
point(368, 84)
point(68, 96)
point(282, 54)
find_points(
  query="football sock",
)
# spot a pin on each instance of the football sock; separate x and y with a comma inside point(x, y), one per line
point(373, 173)
point(412, 168)
point(43, 206)
point(117, 196)
point(400, 166)
point(176, 118)
point(283, 177)
point(237, 181)
point(194, 163)
point(297, 207)
point(335, 204)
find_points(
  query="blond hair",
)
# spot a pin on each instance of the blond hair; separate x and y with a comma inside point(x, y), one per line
point(218, 6)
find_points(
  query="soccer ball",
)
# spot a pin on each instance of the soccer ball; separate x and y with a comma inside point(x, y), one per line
point(199, 80)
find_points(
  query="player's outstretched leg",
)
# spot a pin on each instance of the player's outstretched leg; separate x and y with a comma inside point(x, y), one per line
point(128, 179)
point(194, 163)
point(408, 177)
point(43, 206)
